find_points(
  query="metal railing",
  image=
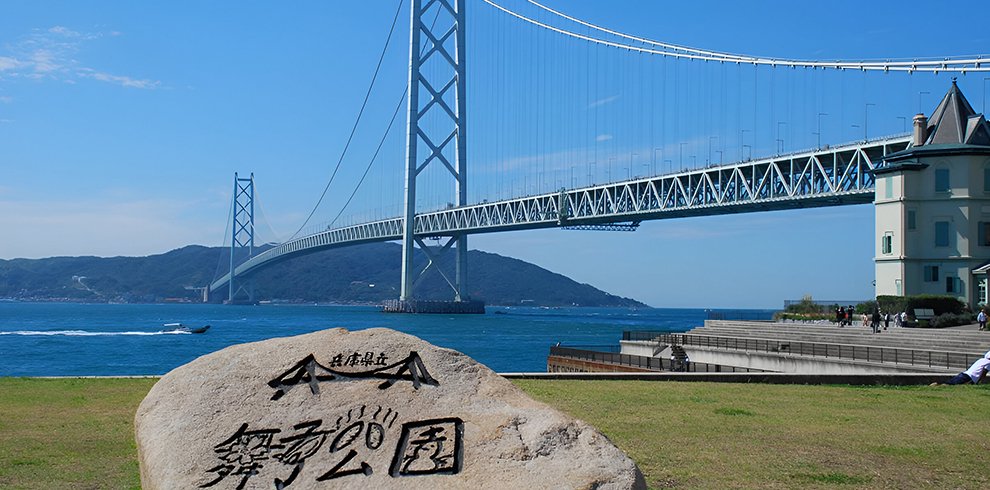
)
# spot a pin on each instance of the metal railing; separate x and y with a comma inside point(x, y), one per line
point(647, 335)
point(642, 362)
point(882, 355)
point(747, 315)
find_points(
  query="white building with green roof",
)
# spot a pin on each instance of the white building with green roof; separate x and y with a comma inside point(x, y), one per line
point(933, 207)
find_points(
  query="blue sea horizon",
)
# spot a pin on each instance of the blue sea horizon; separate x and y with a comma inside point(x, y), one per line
point(77, 339)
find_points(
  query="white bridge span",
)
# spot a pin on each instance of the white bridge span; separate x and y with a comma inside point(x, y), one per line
point(822, 177)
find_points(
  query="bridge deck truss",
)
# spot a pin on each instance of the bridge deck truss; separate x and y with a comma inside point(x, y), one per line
point(823, 177)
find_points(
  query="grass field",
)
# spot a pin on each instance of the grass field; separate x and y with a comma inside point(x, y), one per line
point(78, 433)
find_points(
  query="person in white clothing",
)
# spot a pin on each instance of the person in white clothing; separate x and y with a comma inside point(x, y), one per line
point(974, 374)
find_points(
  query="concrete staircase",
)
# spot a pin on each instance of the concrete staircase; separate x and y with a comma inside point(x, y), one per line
point(967, 341)
point(944, 349)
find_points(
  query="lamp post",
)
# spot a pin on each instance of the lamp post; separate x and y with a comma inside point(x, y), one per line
point(655, 159)
point(710, 138)
point(819, 133)
point(680, 149)
point(779, 138)
point(866, 121)
point(742, 139)
point(903, 123)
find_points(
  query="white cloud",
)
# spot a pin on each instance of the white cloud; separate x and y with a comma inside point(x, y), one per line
point(601, 102)
point(603, 137)
point(6, 99)
point(8, 63)
point(119, 80)
point(44, 61)
point(51, 54)
point(64, 31)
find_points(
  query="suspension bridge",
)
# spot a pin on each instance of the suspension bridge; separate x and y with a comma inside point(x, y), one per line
point(712, 86)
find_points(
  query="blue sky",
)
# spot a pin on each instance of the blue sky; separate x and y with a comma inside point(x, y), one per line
point(122, 123)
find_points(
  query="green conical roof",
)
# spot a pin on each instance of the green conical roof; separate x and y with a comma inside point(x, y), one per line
point(955, 122)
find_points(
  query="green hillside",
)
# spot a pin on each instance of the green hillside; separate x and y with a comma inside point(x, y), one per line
point(360, 274)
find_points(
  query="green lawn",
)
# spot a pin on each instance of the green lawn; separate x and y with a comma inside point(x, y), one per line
point(69, 433)
point(78, 433)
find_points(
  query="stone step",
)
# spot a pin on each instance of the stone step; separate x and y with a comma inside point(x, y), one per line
point(874, 340)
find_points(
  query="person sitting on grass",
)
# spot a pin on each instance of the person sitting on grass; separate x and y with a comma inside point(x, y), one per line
point(974, 374)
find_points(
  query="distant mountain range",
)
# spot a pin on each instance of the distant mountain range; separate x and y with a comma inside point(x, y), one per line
point(364, 274)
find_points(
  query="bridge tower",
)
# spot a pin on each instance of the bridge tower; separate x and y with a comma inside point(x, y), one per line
point(242, 237)
point(436, 64)
point(933, 207)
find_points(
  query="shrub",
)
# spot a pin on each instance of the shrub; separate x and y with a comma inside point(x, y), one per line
point(803, 317)
point(940, 304)
point(866, 307)
point(892, 304)
point(951, 320)
point(806, 305)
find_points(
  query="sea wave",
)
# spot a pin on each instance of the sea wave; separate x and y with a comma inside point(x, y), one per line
point(82, 333)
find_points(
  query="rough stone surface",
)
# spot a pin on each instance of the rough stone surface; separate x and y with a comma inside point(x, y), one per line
point(370, 409)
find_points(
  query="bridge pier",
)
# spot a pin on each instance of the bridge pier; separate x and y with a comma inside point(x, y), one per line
point(241, 239)
point(443, 145)
point(442, 307)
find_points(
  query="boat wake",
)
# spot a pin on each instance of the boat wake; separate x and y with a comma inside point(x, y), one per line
point(82, 333)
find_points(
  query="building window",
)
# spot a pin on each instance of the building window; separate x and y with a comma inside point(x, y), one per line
point(983, 233)
point(941, 233)
point(931, 273)
point(941, 180)
point(986, 179)
point(899, 287)
point(887, 243)
point(952, 284)
point(888, 187)
point(912, 219)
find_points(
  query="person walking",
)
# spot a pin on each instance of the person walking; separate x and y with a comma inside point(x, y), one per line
point(982, 318)
point(886, 321)
point(875, 320)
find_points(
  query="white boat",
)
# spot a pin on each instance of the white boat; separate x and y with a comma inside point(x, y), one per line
point(180, 328)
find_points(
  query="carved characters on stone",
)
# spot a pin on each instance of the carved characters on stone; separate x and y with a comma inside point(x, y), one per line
point(310, 372)
point(421, 447)
point(429, 447)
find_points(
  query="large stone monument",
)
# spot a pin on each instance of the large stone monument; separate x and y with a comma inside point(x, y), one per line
point(368, 409)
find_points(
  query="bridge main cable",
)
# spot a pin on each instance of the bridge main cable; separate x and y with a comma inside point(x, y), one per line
point(959, 64)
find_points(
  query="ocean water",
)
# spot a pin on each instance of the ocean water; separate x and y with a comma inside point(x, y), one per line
point(64, 339)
